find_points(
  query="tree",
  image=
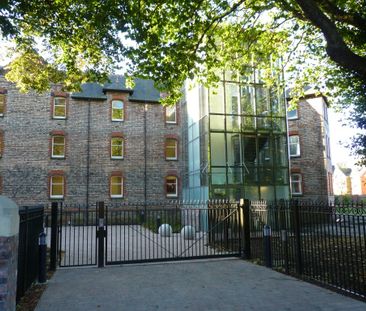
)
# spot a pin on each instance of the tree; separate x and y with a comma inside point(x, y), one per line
point(323, 41)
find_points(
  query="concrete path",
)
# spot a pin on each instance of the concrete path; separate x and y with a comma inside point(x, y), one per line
point(230, 284)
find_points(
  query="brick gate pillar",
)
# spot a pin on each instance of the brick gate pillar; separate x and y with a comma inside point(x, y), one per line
point(9, 230)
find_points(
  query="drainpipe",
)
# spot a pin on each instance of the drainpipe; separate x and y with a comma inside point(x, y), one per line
point(88, 157)
point(145, 157)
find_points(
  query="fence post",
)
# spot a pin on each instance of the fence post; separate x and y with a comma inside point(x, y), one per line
point(245, 204)
point(299, 263)
point(267, 233)
point(284, 239)
point(9, 238)
point(101, 234)
point(42, 244)
point(53, 251)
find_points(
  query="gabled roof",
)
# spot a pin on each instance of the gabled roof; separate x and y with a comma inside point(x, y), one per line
point(143, 91)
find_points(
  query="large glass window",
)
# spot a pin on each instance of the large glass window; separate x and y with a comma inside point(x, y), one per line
point(171, 149)
point(217, 99)
point(117, 148)
point(58, 146)
point(116, 187)
point(232, 98)
point(294, 145)
point(247, 99)
point(296, 184)
point(171, 186)
point(59, 108)
point(171, 114)
point(218, 149)
point(2, 104)
point(57, 187)
point(117, 110)
point(262, 101)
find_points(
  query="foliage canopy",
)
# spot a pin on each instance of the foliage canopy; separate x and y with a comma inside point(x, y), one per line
point(322, 42)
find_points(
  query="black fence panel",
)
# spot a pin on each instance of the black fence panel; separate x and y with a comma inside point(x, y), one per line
point(316, 241)
point(31, 225)
point(170, 231)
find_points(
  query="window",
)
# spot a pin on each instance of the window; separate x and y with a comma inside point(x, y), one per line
point(117, 110)
point(171, 183)
point(294, 146)
point(57, 187)
point(2, 104)
point(58, 146)
point(116, 187)
point(1, 143)
point(59, 108)
point(292, 114)
point(296, 184)
point(117, 148)
point(171, 114)
point(171, 149)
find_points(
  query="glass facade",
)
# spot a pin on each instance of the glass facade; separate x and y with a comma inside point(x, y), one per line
point(237, 141)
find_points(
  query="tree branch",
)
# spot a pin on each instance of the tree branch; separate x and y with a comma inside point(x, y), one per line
point(353, 19)
point(336, 48)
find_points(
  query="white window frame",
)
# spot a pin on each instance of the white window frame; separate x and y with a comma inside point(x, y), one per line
point(298, 151)
point(56, 156)
point(112, 145)
point(57, 196)
point(116, 196)
point(175, 149)
point(3, 104)
point(175, 114)
point(294, 117)
point(171, 195)
point(54, 108)
point(299, 182)
point(123, 110)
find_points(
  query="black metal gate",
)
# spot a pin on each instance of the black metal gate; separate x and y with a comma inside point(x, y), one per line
point(129, 233)
point(171, 232)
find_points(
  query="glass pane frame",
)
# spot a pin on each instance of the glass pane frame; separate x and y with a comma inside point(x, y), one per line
point(294, 146)
point(59, 108)
point(116, 183)
point(117, 113)
point(117, 148)
point(2, 104)
point(171, 186)
point(171, 149)
point(296, 184)
point(171, 114)
point(57, 182)
point(58, 148)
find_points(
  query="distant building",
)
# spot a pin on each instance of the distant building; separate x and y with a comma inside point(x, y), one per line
point(309, 148)
point(107, 143)
point(342, 180)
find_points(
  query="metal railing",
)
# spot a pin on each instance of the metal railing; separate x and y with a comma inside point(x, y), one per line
point(316, 241)
point(30, 226)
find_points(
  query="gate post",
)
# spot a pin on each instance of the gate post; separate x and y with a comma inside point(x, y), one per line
point(101, 233)
point(53, 251)
point(247, 229)
point(299, 263)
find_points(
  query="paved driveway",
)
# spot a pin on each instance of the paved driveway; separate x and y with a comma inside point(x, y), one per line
point(230, 284)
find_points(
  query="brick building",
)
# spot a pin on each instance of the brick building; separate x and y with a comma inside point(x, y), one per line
point(309, 148)
point(106, 143)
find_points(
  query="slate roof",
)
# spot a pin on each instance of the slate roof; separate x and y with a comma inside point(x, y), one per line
point(143, 90)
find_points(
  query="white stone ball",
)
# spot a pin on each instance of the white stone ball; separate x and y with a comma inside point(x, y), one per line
point(188, 232)
point(165, 230)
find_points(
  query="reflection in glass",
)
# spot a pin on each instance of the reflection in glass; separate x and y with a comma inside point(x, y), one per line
point(233, 149)
point(217, 122)
point(232, 98)
point(218, 149)
point(218, 175)
point(217, 99)
point(247, 100)
point(262, 101)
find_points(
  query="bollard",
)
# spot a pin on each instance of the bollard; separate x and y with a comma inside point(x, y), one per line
point(42, 245)
point(267, 233)
point(158, 223)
